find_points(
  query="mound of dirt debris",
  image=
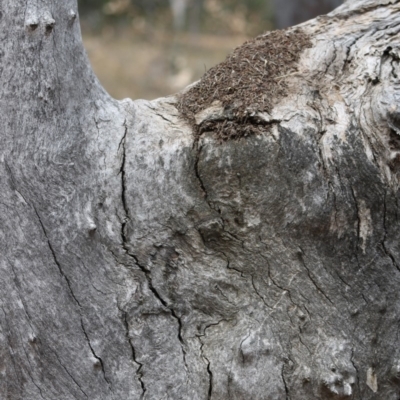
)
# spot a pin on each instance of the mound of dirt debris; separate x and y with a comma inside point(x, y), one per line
point(250, 81)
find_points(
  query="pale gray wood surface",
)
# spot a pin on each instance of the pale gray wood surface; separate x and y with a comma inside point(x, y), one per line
point(136, 263)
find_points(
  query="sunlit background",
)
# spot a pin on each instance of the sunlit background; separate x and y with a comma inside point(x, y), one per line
point(152, 48)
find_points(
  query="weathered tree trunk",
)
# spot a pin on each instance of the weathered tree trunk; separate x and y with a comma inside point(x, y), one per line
point(143, 257)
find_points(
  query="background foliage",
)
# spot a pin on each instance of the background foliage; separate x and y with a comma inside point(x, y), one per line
point(205, 16)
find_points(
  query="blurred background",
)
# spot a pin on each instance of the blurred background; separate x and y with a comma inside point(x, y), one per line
point(151, 48)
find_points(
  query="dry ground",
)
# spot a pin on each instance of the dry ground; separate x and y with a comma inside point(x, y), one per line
point(147, 68)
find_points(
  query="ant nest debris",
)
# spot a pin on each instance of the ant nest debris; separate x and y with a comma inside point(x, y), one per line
point(232, 97)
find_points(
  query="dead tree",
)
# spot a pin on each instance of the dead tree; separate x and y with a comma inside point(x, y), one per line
point(292, 12)
point(179, 8)
point(239, 240)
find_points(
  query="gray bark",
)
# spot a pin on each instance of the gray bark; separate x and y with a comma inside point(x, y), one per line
point(139, 263)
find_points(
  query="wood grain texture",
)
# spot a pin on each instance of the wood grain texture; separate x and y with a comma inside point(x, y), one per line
point(138, 261)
